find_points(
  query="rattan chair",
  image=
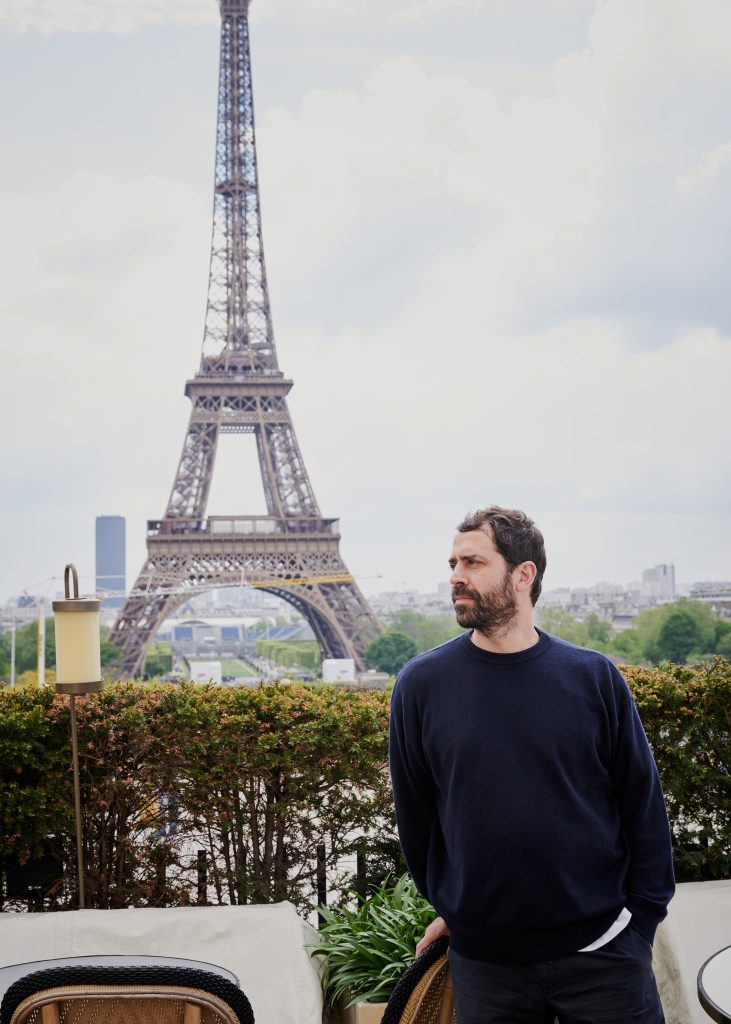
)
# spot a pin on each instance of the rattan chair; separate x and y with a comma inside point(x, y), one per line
point(423, 994)
point(124, 995)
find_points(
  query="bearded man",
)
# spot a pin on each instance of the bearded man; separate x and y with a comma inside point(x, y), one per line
point(528, 803)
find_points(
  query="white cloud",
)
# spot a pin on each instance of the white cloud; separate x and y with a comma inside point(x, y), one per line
point(709, 168)
point(438, 414)
point(571, 196)
point(102, 292)
point(126, 16)
point(528, 176)
point(114, 16)
point(420, 10)
point(266, 10)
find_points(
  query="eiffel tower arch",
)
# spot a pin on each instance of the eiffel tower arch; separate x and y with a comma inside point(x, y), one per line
point(292, 551)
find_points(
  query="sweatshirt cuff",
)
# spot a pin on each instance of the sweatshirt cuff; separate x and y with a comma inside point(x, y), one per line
point(646, 916)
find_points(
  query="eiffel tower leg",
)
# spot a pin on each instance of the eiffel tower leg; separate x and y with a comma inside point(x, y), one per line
point(139, 620)
point(338, 615)
point(193, 478)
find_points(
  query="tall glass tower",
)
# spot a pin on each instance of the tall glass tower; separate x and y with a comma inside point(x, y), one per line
point(111, 556)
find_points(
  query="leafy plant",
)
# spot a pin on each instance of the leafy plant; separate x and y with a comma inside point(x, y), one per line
point(686, 712)
point(255, 781)
point(390, 651)
point(369, 948)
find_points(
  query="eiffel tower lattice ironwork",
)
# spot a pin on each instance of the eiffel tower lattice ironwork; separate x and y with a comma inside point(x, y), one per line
point(292, 551)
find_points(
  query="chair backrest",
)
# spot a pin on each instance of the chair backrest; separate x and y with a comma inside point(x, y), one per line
point(124, 995)
point(423, 994)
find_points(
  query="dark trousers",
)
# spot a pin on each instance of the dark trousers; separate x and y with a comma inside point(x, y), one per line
point(610, 985)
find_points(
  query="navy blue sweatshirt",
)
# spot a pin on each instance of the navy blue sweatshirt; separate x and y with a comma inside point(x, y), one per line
point(527, 800)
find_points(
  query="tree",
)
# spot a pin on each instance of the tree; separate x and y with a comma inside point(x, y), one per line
point(260, 626)
point(26, 646)
point(109, 653)
point(159, 659)
point(723, 639)
point(679, 635)
point(706, 619)
point(390, 652)
point(561, 623)
point(598, 631)
point(4, 655)
point(628, 644)
point(594, 632)
point(650, 638)
point(426, 631)
point(650, 624)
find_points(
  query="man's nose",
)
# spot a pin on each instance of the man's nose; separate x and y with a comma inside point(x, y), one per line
point(457, 576)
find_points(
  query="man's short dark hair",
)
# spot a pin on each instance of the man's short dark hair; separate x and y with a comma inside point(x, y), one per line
point(516, 537)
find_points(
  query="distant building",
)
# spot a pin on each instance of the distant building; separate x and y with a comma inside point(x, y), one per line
point(659, 582)
point(560, 597)
point(716, 594)
point(444, 592)
point(605, 591)
point(111, 558)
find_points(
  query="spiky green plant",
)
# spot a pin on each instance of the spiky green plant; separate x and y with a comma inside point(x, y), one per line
point(369, 948)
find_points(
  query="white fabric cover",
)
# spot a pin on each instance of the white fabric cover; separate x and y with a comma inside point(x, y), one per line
point(698, 924)
point(264, 946)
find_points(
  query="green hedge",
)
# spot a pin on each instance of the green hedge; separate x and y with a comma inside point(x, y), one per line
point(259, 778)
point(686, 712)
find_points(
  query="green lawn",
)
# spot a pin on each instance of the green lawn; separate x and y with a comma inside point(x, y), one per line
point(235, 667)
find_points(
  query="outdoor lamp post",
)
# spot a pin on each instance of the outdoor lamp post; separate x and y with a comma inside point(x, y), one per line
point(78, 670)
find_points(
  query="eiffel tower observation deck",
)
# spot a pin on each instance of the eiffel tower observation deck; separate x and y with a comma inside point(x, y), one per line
point(292, 551)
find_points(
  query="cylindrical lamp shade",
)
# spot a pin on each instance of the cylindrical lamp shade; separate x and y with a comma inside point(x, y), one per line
point(78, 655)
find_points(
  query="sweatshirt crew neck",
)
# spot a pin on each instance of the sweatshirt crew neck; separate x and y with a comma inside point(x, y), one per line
point(514, 658)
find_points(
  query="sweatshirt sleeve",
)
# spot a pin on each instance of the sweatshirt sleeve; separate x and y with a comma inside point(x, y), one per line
point(413, 785)
point(650, 880)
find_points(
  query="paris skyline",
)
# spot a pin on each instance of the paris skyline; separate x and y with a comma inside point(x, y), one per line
point(496, 261)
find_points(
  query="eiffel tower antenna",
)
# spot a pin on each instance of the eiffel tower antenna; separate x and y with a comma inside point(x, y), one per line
point(239, 388)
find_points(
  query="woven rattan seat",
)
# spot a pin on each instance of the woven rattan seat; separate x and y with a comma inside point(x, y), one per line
point(424, 994)
point(124, 995)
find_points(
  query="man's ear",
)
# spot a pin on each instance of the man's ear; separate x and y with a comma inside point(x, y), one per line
point(526, 572)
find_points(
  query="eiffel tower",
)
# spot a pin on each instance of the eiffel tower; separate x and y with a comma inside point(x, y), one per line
point(292, 551)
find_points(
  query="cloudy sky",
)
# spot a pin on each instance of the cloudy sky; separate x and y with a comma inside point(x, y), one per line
point(497, 237)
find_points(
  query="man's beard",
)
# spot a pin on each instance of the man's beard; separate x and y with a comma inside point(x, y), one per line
point(490, 613)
